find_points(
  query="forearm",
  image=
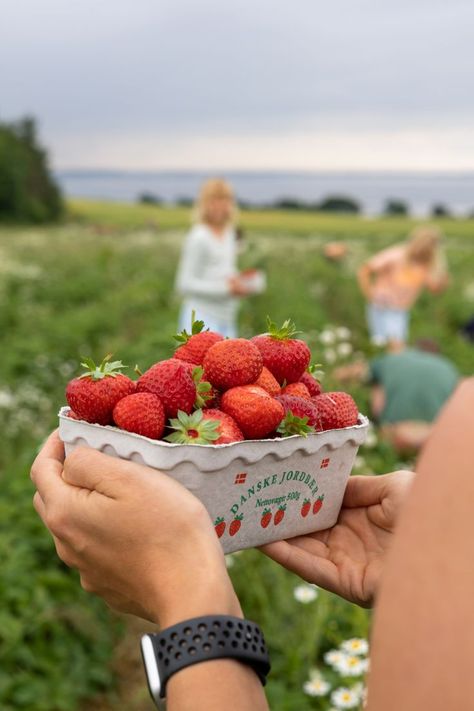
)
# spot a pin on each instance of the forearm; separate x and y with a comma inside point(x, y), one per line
point(428, 585)
point(364, 280)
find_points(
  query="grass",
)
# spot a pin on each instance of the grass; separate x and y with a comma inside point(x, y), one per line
point(103, 282)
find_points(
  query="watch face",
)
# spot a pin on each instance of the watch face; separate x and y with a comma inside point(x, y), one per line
point(151, 669)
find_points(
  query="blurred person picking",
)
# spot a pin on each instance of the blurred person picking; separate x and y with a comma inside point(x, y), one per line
point(393, 279)
point(208, 279)
point(409, 386)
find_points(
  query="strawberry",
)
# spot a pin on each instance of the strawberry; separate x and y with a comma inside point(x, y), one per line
point(204, 427)
point(255, 411)
point(313, 385)
point(318, 504)
point(235, 525)
point(306, 508)
point(284, 356)
point(266, 381)
point(142, 413)
point(72, 415)
point(94, 394)
point(232, 362)
point(278, 518)
point(219, 526)
point(299, 389)
point(171, 381)
point(301, 415)
point(206, 395)
point(335, 410)
point(194, 346)
point(266, 518)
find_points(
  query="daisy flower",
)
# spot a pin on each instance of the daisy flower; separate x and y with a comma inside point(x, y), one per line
point(344, 698)
point(330, 355)
point(350, 665)
point(355, 645)
point(333, 657)
point(344, 349)
point(316, 685)
point(327, 337)
point(343, 333)
point(305, 593)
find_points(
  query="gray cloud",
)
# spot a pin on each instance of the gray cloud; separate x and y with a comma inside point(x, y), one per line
point(121, 67)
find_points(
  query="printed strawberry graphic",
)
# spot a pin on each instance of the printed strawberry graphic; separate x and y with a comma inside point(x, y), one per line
point(279, 514)
point(235, 525)
point(172, 382)
point(255, 411)
point(266, 518)
point(318, 504)
point(232, 362)
point(219, 526)
point(94, 394)
point(142, 413)
point(306, 508)
point(204, 427)
point(313, 385)
point(335, 410)
point(192, 347)
point(285, 357)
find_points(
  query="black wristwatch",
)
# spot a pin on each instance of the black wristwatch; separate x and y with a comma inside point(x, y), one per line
point(199, 640)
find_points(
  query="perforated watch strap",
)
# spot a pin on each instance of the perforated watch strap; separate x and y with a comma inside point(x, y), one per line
point(210, 637)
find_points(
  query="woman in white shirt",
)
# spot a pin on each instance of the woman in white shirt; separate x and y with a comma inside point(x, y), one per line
point(207, 276)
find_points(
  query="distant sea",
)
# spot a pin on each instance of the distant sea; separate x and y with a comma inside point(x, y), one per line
point(419, 190)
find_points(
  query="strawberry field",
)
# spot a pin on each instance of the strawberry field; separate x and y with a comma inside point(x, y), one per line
point(102, 282)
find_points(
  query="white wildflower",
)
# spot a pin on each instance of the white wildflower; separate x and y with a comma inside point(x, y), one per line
point(333, 657)
point(327, 337)
point(330, 355)
point(229, 560)
point(351, 665)
point(344, 349)
point(7, 399)
point(344, 698)
point(305, 593)
point(355, 645)
point(343, 333)
point(316, 686)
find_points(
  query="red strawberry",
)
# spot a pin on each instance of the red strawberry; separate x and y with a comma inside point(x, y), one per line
point(255, 411)
point(194, 346)
point(232, 362)
point(299, 389)
point(279, 514)
point(72, 415)
point(142, 413)
point(266, 518)
point(204, 427)
point(171, 381)
point(94, 394)
point(235, 525)
point(284, 356)
point(318, 504)
point(335, 410)
point(313, 385)
point(301, 415)
point(266, 381)
point(219, 527)
point(306, 508)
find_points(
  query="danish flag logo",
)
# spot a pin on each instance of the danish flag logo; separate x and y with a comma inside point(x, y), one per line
point(240, 478)
point(325, 463)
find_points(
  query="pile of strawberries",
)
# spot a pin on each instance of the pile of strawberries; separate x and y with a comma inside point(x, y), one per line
point(215, 391)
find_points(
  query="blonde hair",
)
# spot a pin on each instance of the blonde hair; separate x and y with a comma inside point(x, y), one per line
point(423, 244)
point(210, 190)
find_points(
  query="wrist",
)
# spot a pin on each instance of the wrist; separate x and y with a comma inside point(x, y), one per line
point(212, 595)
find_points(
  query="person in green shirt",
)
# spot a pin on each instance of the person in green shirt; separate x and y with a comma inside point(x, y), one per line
point(409, 388)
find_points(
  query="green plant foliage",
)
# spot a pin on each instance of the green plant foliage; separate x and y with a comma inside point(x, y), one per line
point(103, 283)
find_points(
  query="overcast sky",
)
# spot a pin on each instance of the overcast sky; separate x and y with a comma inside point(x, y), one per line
point(259, 84)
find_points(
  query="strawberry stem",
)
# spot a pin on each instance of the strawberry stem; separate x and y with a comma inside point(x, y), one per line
point(104, 370)
point(196, 327)
point(284, 333)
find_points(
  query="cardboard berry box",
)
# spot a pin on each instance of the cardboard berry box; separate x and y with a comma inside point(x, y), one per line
point(256, 491)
